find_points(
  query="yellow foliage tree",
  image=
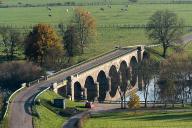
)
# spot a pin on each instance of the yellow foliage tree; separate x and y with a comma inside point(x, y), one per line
point(41, 43)
point(134, 100)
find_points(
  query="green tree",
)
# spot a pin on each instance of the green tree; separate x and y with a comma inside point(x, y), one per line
point(71, 42)
point(11, 40)
point(42, 43)
point(85, 26)
point(166, 28)
point(134, 100)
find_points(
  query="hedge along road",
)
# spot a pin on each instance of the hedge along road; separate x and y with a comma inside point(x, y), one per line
point(20, 115)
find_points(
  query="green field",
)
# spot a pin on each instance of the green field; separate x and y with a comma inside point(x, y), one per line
point(136, 14)
point(107, 38)
point(15, 2)
point(140, 120)
point(48, 113)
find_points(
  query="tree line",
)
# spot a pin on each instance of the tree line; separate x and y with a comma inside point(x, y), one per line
point(171, 80)
point(44, 47)
point(43, 41)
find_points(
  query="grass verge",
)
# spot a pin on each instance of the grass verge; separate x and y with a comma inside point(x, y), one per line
point(140, 120)
point(49, 116)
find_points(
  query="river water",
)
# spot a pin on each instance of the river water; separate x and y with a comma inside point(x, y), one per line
point(153, 88)
point(150, 93)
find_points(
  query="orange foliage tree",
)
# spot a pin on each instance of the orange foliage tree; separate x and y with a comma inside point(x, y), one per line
point(42, 42)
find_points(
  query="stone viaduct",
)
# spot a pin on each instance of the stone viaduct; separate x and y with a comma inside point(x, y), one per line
point(100, 81)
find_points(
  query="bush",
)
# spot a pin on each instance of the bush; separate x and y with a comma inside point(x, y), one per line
point(134, 100)
point(38, 102)
point(13, 74)
point(134, 1)
point(68, 112)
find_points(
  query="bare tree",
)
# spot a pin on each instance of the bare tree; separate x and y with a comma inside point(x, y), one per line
point(177, 68)
point(149, 70)
point(14, 73)
point(123, 87)
point(166, 28)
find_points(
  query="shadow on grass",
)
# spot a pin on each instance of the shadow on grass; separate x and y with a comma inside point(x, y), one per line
point(179, 116)
point(145, 116)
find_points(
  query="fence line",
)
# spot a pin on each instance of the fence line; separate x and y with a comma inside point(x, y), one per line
point(100, 26)
point(109, 4)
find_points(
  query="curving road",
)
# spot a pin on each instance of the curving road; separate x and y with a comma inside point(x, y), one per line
point(20, 108)
point(20, 114)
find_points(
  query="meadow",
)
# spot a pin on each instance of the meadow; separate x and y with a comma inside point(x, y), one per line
point(140, 120)
point(35, 2)
point(107, 38)
point(137, 14)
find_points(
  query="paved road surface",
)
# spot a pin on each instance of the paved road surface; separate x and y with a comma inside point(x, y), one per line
point(20, 114)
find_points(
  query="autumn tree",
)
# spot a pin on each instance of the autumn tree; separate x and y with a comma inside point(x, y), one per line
point(134, 100)
point(11, 41)
point(42, 43)
point(85, 26)
point(166, 28)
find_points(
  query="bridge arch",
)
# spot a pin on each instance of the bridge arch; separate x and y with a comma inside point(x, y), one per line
point(124, 70)
point(77, 91)
point(91, 88)
point(114, 75)
point(146, 56)
point(103, 85)
point(123, 74)
point(133, 68)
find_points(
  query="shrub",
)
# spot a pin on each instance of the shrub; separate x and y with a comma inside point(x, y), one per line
point(134, 100)
point(13, 74)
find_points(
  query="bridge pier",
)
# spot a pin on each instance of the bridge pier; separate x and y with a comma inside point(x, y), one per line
point(97, 89)
point(139, 77)
point(85, 93)
point(109, 83)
